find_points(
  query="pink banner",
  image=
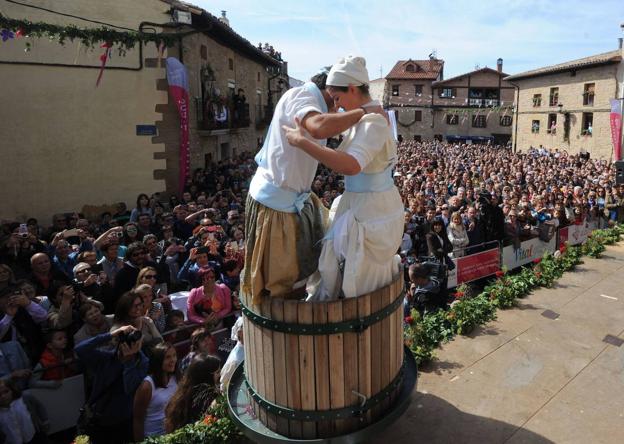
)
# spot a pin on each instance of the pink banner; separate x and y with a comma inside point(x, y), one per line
point(179, 90)
point(475, 266)
point(616, 127)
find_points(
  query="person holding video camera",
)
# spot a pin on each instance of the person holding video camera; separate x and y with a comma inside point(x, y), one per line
point(424, 292)
point(118, 372)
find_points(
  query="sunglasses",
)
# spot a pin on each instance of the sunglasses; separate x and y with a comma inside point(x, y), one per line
point(150, 276)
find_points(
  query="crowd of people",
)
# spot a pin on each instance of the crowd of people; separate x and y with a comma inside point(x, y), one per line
point(92, 296)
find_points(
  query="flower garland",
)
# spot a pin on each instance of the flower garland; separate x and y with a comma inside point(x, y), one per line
point(423, 334)
point(89, 37)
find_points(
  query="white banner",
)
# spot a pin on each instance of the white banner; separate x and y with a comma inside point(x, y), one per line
point(529, 250)
point(62, 404)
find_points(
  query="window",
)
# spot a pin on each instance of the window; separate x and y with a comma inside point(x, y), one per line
point(588, 94)
point(588, 122)
point(418, 90)
point(203, 52)
point(447, 93)
point(552, 124)
point(554, 97)
point(535, 126)
point(505, 121)
point(418, 116)
point(395, 90)
point(452, 119)
point(479, 121)
point(417, 138)
point(409, 68)
point(231, 64)
point(258, 76)
point(537, 100)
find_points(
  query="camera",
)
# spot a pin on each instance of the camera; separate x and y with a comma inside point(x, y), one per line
point(435, 268)
point(130, 338)
point(484, 198)
point(78, 287)
point(23, 231)
point(119, 233)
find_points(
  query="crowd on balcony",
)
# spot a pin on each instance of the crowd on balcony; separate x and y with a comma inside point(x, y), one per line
point(269, 50)
point(95, 296)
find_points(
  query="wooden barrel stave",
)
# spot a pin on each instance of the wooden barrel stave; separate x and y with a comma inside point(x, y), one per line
point(322, 372)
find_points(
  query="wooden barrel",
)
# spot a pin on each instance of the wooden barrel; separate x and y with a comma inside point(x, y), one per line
point(324, 369)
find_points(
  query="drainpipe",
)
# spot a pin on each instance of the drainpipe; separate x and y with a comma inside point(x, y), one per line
point(516, 109)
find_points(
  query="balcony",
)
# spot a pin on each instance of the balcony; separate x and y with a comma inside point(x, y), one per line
point(483, 102)
point(215, 116)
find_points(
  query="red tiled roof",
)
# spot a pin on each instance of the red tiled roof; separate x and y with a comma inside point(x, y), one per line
point(586, 62)
point(427, 69)
point(453, 79)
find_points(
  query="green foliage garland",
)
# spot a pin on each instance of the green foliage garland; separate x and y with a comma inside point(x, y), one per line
point(424, 334)
point(89, 37)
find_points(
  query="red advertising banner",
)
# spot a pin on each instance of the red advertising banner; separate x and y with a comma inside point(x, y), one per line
point(475, 266)
point(179, 90)
point(616, 127)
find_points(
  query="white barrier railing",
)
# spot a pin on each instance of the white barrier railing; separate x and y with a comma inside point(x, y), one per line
point(486, 263)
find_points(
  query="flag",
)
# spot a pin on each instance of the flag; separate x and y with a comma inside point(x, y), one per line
point(616, 127)
point(179, 90)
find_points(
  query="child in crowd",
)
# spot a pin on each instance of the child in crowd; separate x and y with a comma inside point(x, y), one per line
point(17, 424)
point(201, 342)
point(57, 360)
point(178, 335)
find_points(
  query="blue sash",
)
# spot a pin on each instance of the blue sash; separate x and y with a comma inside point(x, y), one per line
point(370, 183)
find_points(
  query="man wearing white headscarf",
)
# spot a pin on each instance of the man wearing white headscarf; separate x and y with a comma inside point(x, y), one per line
point(284, 221)
point(359, 251)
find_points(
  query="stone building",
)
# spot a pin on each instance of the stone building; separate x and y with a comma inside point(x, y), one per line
point(474, 107)
point(567, 106)
point(408, 91)
point(377, 89)
point(68, 143)
point(223, 68)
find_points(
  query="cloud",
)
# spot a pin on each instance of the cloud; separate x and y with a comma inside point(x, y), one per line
point(527, 34)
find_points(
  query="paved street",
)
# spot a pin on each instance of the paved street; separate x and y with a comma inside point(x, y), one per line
point(540, 373)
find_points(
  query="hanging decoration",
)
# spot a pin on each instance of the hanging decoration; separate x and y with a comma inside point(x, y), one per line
point(103, 58)
point(89, 37)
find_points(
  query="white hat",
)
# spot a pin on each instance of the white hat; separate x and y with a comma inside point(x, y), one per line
point(348, 70)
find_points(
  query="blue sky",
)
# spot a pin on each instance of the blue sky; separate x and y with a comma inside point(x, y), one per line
point(527, 34)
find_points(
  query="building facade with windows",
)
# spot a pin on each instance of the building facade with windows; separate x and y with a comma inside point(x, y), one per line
point(69, 144)
point(567, 106)
point(474, 107)
point(408, 91)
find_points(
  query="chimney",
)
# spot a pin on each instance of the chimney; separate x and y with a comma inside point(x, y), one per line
point(223, 19)
point(499, 65)
point(620, 40)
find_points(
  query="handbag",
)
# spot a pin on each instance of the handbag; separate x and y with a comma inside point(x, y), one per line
point(89, 420)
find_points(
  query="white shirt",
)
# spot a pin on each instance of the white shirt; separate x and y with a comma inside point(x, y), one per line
point(16, 423)
point(289, 167)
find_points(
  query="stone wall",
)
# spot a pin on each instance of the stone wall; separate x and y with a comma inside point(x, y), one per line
point(571, 89)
